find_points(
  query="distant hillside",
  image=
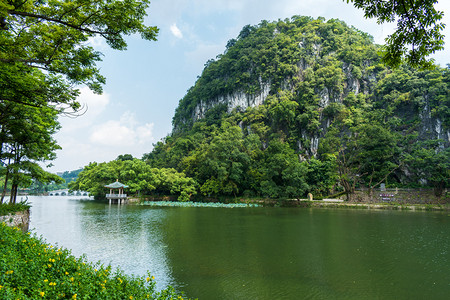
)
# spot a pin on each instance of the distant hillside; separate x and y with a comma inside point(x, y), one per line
point(69, 176)
point(304, 105)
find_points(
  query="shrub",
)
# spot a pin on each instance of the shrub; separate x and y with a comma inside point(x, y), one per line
point(32, 269)
point(6, 209)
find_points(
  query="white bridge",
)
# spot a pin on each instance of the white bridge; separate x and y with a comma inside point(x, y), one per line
point(65, 192)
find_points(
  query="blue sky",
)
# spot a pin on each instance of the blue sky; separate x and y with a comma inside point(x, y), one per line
point(146, 82)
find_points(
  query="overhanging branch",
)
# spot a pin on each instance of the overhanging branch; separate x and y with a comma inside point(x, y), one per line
point(77, 27)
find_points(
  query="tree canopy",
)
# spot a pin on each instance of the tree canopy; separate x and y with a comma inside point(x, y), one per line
point(141, 178)
point(418, 33)
point(333, 116)
point(45, 53)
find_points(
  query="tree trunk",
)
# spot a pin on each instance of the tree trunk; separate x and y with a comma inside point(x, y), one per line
point(13, 197)
point(439, 188)
point(349, 190)
point(5, 187)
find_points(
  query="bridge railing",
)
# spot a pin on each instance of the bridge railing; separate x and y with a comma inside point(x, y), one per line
point(116, 196)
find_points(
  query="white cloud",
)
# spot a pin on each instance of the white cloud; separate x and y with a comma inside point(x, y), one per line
point(144, 133)
point(103, 141)
point(112, 133)
point(124, 134)
point(176, 31)
point(202, 53)
point(97, 42)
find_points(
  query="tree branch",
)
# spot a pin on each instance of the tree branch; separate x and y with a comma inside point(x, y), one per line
point(77, 27)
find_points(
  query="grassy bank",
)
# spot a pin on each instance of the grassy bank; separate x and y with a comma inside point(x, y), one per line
point(381, 205)
point(32, 269)
point(6, 208)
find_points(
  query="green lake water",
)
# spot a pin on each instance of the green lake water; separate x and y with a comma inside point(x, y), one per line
point(260, 253)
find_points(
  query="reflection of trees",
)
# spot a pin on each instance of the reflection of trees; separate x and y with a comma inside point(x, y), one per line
point(126, 236)
point(283, 253)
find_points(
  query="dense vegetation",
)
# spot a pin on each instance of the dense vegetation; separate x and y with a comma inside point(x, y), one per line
point(334, 119)
point(33, 269)
point(141, 178)
point(6, 209)
point(294, 107)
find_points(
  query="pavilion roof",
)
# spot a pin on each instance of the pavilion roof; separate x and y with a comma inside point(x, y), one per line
point(116, 185)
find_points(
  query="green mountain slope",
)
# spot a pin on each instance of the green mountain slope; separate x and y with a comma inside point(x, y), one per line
point(304, 105)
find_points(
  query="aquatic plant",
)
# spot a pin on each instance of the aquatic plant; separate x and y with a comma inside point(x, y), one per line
point(198, 204)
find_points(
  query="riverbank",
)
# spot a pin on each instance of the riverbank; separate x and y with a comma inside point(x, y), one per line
point(390, 198)
point(329, 203)
point(32, 269)
point(380, 206)
point(16, 215)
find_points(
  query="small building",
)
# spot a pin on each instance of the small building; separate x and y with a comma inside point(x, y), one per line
point(116, 192)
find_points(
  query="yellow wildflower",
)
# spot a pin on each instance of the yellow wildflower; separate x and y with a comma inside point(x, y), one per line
point(42, 294)
point(148, 279)
point(131, 297)
point(74, 296)
point(45, 280)
point(9, 272)
point(67, 273)
point(71, 279)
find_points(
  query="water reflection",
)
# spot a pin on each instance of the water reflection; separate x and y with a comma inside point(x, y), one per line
point(320, 254)
point(259, 253)
point(124, 236)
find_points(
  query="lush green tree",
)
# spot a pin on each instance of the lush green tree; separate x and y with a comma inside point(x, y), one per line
point(124, 157)
point(224, 163)
point(429, 162)
point(321, 176)
point(141, 178)
point(26, 139)
point(45, 51)
point(364, 152)
point(418, 33)
point(283, 174)
point(53, 35)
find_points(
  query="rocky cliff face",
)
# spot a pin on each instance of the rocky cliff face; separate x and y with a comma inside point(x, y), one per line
point(319, 63)
point(430, 127)
point(236, 100)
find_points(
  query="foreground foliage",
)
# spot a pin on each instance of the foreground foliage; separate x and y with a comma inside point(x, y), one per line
point(46, 53)
point(32, 269)
point(6, 209)
point(418, 33)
